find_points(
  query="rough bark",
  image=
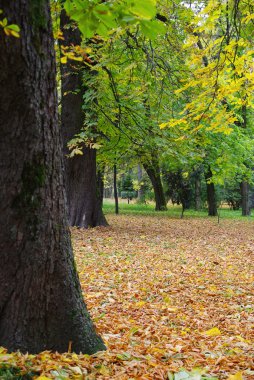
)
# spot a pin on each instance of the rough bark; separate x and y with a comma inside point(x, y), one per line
point(211, 195)
point(83, 205)
point(41, 304)
point(246, 210)
point(153, 172)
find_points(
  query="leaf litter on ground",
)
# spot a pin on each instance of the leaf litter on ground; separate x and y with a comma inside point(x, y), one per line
point(172, 299)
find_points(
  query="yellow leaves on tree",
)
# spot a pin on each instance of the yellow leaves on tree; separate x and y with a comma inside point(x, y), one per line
point(9, 29)
point(220, 67)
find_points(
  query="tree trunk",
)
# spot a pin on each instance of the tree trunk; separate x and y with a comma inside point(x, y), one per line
point(115, 191)
point(41, 304)
point(198, 201)
point(153, 172)
point(211, 196)
point(246, 210)
point(84, 207)
point(245, 198)
point(141, 193)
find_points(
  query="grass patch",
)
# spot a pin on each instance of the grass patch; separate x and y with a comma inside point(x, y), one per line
point(173, 211)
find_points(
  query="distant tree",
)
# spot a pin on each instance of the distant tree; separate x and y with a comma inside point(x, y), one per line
point(127, 189)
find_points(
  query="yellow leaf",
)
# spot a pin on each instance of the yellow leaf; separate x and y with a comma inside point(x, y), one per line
point(6, 357)
point(172, 309)
point(140, 303)
point(163, 125)
point(14, 33)
point(167, 299)
point(64, 60)
point(42, 378)
point(212, 332)
point(236, 376)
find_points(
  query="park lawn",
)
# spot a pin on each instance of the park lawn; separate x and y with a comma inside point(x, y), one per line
point(174, 211)
point(166, 294)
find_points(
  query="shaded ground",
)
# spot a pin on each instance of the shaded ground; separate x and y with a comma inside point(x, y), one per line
point(165, 294)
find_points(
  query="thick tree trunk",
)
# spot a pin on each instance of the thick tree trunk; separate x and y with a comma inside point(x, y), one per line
point(245, 198)
point(115, 191)
point(41, 304)
point(83, 205)
point(211, 195)
point(153, 172)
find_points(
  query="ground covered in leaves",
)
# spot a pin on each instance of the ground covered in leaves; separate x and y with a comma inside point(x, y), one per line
point(168, 296)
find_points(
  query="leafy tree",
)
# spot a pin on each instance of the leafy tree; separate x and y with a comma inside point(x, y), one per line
point(127, 190)
point(216, 94)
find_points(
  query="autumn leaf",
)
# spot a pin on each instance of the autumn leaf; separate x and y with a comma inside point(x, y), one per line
point(236, 376)
point(212, 332)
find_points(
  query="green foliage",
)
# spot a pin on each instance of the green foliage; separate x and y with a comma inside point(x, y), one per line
point(128, 194)
point(94, 17)
point(178, 187)
point(9, 29)
point(192, 79)
point(127, 184)
point(11, 373)
point(232, 195)
point(126, 187)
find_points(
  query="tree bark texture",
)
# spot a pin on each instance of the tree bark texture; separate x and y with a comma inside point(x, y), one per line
point(41, 303)
point(211, 195)
point(85, 209)
point(246, 210)
point(153, 172)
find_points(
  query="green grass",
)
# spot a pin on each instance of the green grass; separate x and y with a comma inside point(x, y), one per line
point(173, 211)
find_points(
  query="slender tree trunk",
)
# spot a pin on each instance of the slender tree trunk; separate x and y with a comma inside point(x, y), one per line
point(141, 193)
point(211, 195)
point(84, 207)
point(246, 210)
point(41, 304)
point(153, 172)
point(198, 202)
point(245, 198)
point(115, 190)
